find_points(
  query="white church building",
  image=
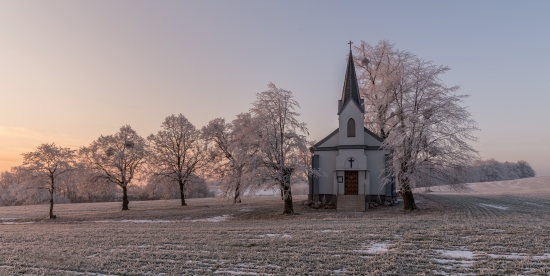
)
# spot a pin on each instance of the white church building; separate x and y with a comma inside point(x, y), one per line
point(351, 157)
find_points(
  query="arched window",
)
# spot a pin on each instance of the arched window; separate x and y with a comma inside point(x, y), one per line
point(351, 128)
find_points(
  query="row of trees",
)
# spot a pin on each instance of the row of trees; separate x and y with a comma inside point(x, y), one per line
point(266, 146)
point(16, 188)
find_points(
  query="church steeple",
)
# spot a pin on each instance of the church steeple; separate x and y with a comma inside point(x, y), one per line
point(351, 87)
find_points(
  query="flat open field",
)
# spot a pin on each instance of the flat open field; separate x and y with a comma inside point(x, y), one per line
point(494, 229)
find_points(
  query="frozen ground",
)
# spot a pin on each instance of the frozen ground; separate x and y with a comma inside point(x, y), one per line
point(494, 229)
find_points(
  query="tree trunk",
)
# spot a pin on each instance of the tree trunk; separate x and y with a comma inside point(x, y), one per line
point(286, 191)
point(288, 200)
point(182, 195)
point(52, 216)
point(404, 181)
point(237, 198)
point(408, 201)
point(52, 190)
point(124, 199)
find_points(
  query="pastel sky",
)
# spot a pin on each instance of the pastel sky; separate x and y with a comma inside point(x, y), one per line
point(73, 70)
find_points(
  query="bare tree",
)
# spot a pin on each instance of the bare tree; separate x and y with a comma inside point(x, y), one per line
point(422, 120)
point(235, 152)
point(46, 164)
point(177, 151)
point(116, 159)
point(280, 139)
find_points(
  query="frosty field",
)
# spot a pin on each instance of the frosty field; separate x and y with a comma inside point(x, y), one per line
point(493, 229)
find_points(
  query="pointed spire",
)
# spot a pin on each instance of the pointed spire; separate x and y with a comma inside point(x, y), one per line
point(351, 87)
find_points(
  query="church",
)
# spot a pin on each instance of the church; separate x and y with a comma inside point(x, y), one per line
point(351, 157)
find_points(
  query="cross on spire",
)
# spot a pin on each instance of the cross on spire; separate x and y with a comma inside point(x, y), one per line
point(351, 87)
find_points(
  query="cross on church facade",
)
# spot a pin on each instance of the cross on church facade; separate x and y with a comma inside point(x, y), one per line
point(351, 162)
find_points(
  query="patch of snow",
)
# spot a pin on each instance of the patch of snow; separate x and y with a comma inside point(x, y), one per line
point(276, 235)
point(545, 256)
point(212, 219)
point(495, 230)
point(536, 204)
point(512, 256)
point(494, 206)
point(519, 256)
point(245, 210)
point(329, 231)
point(457, 254)
point(453, 263)
point(443, 261)
point(375, 248)
point(233, 272)
point(137, 221)
point(13, 222)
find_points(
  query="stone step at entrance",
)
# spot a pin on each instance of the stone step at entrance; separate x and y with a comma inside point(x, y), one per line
point(351, 203)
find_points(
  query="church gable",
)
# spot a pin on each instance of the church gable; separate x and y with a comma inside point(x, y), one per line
point(330, 141)
point(371, 139)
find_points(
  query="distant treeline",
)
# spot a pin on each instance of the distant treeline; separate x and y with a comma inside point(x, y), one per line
point(479, 171)
point(493, 170)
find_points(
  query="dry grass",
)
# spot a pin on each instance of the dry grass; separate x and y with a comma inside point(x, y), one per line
point(504, 232)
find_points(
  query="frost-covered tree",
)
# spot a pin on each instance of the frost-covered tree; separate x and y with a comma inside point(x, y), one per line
point(46, 165)
point(17, 189)
point(424, 124)
point(525, 170)
point(177, 152)
point(377, 77)
point(234, 150)
point(280, 138)
point(116, 158)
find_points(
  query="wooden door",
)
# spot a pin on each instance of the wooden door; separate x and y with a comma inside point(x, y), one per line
point(351, 183)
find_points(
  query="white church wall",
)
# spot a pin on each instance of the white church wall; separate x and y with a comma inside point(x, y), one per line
point(327, 163)
point(340, 186)
point(351, 111)
point(362, 180)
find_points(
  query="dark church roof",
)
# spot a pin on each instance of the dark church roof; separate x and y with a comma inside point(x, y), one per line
point(351, 87)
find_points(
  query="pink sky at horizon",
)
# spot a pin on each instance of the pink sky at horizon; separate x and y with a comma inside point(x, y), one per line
point(72, 71)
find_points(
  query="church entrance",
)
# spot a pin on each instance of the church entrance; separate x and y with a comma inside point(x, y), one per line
point(351, 183)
